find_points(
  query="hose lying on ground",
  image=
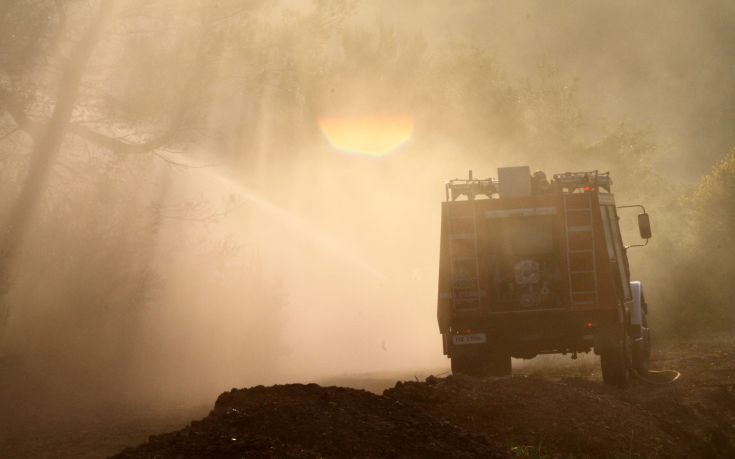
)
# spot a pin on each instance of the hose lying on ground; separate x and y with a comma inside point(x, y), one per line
point(657, 376)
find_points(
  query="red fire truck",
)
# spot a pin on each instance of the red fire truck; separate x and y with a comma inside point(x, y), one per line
point(530, 266)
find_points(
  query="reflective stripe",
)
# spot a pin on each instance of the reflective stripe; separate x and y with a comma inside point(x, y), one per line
point(525, 212)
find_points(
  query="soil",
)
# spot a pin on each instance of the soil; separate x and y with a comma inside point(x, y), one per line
point(553, 409)
point(298, 420)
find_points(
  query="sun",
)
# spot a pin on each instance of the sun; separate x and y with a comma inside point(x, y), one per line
point(372, 135)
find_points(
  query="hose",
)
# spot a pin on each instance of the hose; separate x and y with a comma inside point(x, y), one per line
point(654, 377)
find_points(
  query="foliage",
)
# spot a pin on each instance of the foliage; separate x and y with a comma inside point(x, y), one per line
point(700, 265)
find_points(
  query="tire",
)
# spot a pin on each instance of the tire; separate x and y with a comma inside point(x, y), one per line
point(616, 364)
point(642, 349)
point(499, 364)
point(467, 365)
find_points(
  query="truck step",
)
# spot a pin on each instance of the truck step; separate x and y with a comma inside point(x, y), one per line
point(580, 229)
point(464, 258)
point(462, 236)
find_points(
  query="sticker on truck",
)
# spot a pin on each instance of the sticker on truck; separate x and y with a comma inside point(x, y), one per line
point(474, 338)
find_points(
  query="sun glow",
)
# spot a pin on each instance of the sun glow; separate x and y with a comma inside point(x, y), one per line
point(375, 135)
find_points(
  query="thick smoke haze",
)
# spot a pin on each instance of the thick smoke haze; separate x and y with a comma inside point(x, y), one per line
point(215, 217)
point(664, 66)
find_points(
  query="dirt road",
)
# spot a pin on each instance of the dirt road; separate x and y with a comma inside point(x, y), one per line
point(551, 408)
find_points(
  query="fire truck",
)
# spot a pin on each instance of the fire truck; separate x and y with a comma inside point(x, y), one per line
point(533, 266)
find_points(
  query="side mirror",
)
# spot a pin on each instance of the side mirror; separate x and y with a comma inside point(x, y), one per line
point(644, 225)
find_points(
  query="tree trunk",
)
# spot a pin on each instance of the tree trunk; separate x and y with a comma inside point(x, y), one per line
point(45, 150)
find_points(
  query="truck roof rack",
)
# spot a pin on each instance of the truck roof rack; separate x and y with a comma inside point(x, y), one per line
point(582, 180)
point(567, 182)
point(471, 188)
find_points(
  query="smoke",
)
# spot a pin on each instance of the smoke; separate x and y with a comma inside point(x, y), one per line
point(663, 66)
point(258, 245)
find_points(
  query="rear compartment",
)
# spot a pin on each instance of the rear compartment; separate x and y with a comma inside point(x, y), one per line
point(525, 273)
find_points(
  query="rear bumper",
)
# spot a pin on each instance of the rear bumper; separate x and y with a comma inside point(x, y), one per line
point(527, 334)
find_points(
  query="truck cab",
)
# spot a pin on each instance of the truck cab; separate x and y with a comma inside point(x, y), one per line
point(530, 266)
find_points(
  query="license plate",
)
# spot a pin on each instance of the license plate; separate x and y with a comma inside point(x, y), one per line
point(475, 338)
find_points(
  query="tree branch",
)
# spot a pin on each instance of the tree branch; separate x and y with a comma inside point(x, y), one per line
point(12, 107)
point(119, 146)
point(9, 133)
point(180, 164)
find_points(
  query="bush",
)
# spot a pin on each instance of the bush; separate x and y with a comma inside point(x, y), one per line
point(700, 290)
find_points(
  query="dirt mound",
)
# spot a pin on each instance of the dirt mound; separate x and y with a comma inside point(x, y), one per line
point(298, 420)
point(550, 416)
point(534, 414)
point(545, 410)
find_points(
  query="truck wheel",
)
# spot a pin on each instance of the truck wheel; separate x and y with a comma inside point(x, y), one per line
point(499, 364)
point(467, 365)
point(642, 349)
point(616, 364)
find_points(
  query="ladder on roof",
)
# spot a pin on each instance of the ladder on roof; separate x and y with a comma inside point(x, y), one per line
point(465, 267)
point(580, 246)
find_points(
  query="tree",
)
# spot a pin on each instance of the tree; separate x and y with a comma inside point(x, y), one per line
point(696, 284)
point(47, 143)
point(49, 96)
